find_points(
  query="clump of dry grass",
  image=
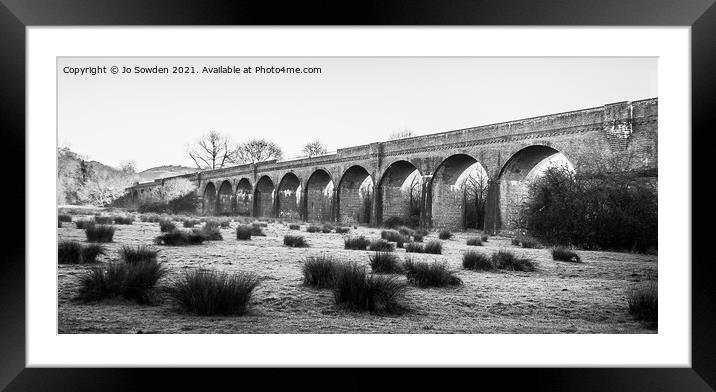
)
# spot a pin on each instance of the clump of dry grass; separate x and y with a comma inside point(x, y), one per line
point(64, 218)
point(99, 233)
point(643, 301)
point(507, 260)
point(445, 234)
point(381, 246)
point(385, 263)
point(564, 254)
point(243, 232)
point(357, 291)
point(166, 225)
point(179, 238)
point(208, 293)
point(320, 271)
point(72, 252)
point(476, 261)
point(356, 243)
point(430, 274)
point(474, 241)
point(295, 241)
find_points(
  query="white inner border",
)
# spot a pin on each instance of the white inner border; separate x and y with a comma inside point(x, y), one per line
point(670, 347)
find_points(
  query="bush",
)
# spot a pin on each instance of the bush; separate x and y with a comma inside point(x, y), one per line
point(476, 261)
point(327, 228)
point(529, 243)
point(140, 254)
point(343, 230)
point(430, 274)
point(208, 293)
point(295, 241)
point(209, 232)
point(354, 290)
point(99, 233)
point(166, 225)
point(104, 220)
point(474, 241)
point(356, 243)
point(643, 301)
point(385, 263)
point(158, 207)
point(413, 247)
point(123, 220)
point(320, 271)
point(179, 238)
point(132, 281)
point(153, 218)
point(381, 246)
point(417, 237)
point(507, 260)
point(69, 252)
point(188, 203)
point(445, 234)
point(616, 211)
point(563, 254)
point(243, 232)
point(82, 224)
point(64, 218)
point(433, 247)
point(91, 251)
point(313, 229)
point(189, 223)
point(294, 227)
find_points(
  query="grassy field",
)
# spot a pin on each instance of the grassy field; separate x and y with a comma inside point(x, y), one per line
point(559, 297)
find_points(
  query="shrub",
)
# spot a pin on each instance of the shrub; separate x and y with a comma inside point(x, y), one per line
point(313, 229)
point(529, 243)
point(484, 238)
point(189, 223)
point(295, 241)
point(356, 243)
point(474, 241)
point(476, 261)
point(319, 271)
point(417, 237)
point(207, 293)
point(406, 231)
point(158, 207)
point(153, 218)
point(515, 241)
point(69, 252)
point(445, 234)
point(91, 251)
point(166, 225)
point(563, 254)
point(381, 246)
point(243, 232)
point(385, 263)
point(294, 227)
point(123, 220)
point(354, 290)
point(643, 301)
point(179, 238)
point(327, 228)
point(413, 247)
point(430, 274)
point(187, 203)
point(209, 233)
point(64, 218)
point(104, 220)
point(433, 247)
point(82, 224)
point(507, 260)
point(140, 254)
point(343, 230)
point(99, 233)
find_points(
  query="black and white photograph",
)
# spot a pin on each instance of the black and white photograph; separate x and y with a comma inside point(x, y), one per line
point(357, 195)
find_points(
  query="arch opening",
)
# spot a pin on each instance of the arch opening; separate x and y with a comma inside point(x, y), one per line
point(244, 197)
point(319, 197)
point(355, 196)
point(264, 197)
point(400, 193)
point(459, 194)
point(289, 197)
point(518, 173)
point(209, 200)
point(225, 201)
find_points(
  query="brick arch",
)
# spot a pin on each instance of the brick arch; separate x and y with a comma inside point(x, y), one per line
point(516, 175)
point(209, 199)
point(393, 196)
point(457, 193)
point(244, 197)
point(355, 195)
point(264, 193)
point(225, 199)
point(289, 196)
point(318, 196)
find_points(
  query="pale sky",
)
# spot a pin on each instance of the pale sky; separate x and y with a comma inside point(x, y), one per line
point(150, 118)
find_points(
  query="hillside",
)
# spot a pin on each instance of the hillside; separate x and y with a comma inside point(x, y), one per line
point(164, 171)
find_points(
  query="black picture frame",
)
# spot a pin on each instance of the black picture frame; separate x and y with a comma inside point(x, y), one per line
point(16, 15)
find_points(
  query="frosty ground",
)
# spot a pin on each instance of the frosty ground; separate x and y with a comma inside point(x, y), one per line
point(559, 297)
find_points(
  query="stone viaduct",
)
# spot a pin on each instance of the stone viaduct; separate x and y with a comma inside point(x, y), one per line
point(366, 184)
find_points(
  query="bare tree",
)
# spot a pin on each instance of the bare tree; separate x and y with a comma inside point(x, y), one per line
point(402, 134)
point(475, 198)
point(258, 150)
point(213, 151)
point(128, 167)
point(314, 148)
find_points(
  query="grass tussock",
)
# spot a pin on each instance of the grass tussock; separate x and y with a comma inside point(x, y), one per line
point(83, 223)
point(430, 274)
point(104, 220)
point(295, 241)
point(476, 261)
point(138, 254)
point(257, 231)
point(327, 228)
point(294, 227)
point(166, 225)
point(152, 218)
point(357, 291)
point(445, 234)
point(356, 243)
point(243, 232)
point(414, 247)
point(123, 220)
point(259, 224)
point(433, 247)
point(207, 293)
point(179, 238)
point(418, 237)
point(507, 260)
point(72, 252)
point(381, 245)
point(385, 263)
point(564, 254)
point(189, 223)
point(64, 218)
point(320, 271)
point(474, 241)
point(209, 232)
point(391, 235)
point(131, 281)
point(313, 229)
point(406, 231)
point(343, 230)
point(485, 238)
point(99, 233)
point(643, 301)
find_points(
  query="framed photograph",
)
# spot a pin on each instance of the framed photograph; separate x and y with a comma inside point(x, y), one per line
point(404, 185)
